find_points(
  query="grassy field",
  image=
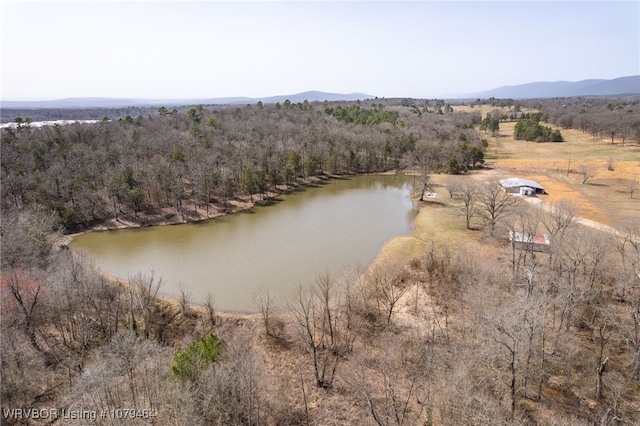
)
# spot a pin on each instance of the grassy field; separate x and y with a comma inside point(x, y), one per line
point(605, 197)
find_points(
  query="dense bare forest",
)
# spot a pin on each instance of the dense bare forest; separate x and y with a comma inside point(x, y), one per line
point(466, 332)
point(189, 161)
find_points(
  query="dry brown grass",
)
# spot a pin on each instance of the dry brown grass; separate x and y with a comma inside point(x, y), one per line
point(437, 222)
point(604, 198)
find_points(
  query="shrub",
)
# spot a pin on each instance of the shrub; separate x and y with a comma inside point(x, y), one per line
point(531, 130)
point(190, 362)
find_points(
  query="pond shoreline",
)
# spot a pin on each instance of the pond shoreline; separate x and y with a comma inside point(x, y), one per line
point(171, 216)
point(258, 201)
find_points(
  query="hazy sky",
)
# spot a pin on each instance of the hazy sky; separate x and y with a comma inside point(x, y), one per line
point(160, 50)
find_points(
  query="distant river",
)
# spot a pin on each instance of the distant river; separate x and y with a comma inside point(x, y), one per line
point(324, 229)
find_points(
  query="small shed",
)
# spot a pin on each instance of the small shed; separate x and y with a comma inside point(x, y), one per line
point(524, 187)
point(530, 242)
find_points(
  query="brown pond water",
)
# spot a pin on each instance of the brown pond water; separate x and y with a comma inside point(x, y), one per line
point(325, 229)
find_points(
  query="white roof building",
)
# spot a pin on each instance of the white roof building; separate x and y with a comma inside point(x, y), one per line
point(521, 186)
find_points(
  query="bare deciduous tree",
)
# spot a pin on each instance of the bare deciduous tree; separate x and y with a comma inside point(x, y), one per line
point(317, 318)
point(453, 186)
point(524, 222)
point(586, 171)
point(132, 373)
point(468, 191)
point(393, 394)
point(425, 158)
point(142, 299)
point(572, 255)
point(390, 286)
point(561, 215)
point(507, 330)
point(494, 204)
point(633, 186)
point(266, 305)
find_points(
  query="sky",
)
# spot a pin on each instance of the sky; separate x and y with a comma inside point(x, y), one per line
point(206, 49)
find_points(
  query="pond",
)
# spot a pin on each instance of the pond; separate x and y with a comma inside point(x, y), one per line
point(323, 229)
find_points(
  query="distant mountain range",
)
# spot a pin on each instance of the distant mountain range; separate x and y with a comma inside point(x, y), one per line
point(565, 89)
point(310, 96)
point(542, 89)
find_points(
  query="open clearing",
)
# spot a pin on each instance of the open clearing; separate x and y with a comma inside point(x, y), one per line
point(604, 198)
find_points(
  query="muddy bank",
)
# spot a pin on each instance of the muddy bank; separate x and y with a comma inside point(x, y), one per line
point(156, 249)
point(191, 214)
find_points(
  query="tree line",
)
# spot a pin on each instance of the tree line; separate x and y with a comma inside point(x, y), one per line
point(203, 157)
point(616, 118)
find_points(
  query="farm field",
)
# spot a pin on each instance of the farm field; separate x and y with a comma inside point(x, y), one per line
point(605, 197)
